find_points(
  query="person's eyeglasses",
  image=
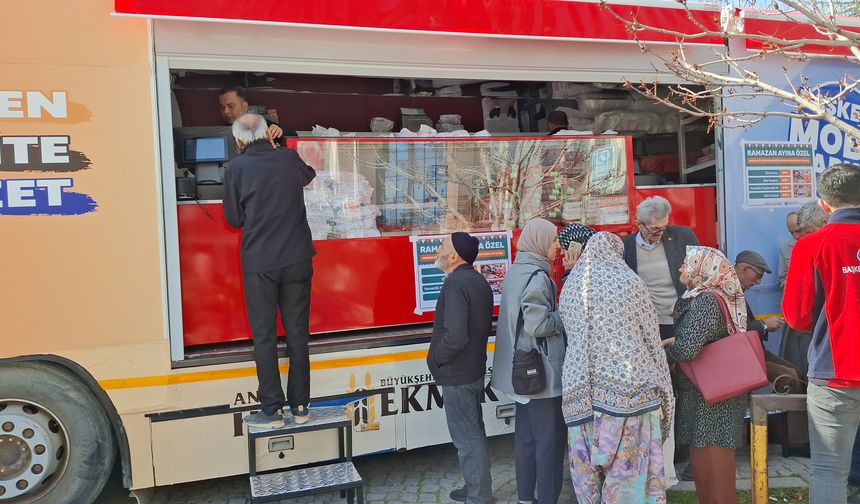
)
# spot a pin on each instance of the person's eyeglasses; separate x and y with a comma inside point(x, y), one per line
point(759, 272)
point(653, 230)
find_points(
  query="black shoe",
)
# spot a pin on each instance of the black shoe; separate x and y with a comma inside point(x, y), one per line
point(495, 112)
point(458, 495)
point(512, 112)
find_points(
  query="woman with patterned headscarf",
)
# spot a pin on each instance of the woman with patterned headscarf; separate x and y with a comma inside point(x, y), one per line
point(616, 392)
point(529, 320)
point(579, 233)
point(713, 431)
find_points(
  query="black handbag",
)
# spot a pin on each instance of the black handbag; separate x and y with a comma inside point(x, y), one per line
point(527, 375)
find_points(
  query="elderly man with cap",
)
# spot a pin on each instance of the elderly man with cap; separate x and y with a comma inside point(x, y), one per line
point(751, 267)
point(783, 375)
point(458, 361)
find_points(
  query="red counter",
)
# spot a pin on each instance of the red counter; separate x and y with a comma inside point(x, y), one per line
point(358, 284)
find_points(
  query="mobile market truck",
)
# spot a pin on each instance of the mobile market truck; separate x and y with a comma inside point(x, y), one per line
point(125, 335)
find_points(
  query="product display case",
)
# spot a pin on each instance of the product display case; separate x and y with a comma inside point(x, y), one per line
point(371, 194)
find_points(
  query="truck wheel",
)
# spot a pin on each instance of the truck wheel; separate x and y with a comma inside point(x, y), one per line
point(56, 444)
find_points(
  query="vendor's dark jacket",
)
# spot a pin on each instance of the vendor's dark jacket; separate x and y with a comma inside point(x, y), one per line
point(264, 195)
point(756, 325)
point(675, 241)
point(464, 316)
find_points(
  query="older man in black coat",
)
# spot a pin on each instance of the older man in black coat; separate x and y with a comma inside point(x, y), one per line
point(458, 361)
point(264, 196)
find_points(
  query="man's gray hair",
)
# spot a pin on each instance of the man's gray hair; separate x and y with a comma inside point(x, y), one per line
point(250, 127)
point(653, 208)
point(810, 217)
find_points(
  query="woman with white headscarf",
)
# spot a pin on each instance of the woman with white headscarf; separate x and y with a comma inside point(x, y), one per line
point(528, 315)
point(617, 395)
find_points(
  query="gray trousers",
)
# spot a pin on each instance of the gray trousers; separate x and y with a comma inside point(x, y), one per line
point(834, 414)
point(466, 426)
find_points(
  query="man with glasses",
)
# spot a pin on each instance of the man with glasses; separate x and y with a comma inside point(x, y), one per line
point(786, 246)
point(795, 343)
point(655, 253)
point(751, 267)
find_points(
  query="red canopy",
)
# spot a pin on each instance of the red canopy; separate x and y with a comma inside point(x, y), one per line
point(771, 24)
point(506, 18)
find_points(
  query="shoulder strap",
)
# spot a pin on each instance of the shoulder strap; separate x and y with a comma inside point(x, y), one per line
point(520, 312)
point(724, 309)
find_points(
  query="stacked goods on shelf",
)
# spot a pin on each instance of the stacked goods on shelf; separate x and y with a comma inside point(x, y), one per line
point(630, 120)
point(454, 90)
point(449, 122)
point(318, 196)
point(572, 90)
point(354, 214)
point(339, 206)
point(601, 108)
point(578, 120)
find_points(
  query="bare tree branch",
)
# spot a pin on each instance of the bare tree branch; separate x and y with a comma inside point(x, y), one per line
point(730, 75)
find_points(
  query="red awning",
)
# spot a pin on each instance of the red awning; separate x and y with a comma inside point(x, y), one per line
point(775, 25)
point(502, 18)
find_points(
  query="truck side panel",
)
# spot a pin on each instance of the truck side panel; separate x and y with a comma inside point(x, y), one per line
point(79, 200)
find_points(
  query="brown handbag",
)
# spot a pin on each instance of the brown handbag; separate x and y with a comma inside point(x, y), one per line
point(730, 366)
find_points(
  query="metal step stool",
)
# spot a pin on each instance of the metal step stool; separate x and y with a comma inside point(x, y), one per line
point(327, 477)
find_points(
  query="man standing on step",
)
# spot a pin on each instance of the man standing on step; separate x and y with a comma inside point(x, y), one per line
point(458, 361)
point(264, 196)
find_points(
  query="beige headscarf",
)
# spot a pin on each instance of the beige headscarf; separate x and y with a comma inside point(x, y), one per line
point(709, 270)
point(537, 236)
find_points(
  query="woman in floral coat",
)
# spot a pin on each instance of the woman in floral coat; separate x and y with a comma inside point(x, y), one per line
point(616, 391)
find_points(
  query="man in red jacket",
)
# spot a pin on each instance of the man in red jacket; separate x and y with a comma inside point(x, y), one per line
point(822, 295)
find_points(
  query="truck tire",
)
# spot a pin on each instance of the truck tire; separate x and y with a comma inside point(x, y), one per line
point(56, 444)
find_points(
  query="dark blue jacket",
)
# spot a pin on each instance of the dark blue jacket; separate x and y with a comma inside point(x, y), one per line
point(461, 328)
point(264, 195)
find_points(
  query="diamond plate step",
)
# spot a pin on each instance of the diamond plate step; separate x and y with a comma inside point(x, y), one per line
point(310, 480)
point(326, 417)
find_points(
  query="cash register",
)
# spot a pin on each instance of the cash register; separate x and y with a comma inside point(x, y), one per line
point(202, 154)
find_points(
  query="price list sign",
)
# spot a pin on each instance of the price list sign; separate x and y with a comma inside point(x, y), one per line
point(493, 261)
point(778, 174)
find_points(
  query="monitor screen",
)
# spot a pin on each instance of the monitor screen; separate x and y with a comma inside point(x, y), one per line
point(205, 149)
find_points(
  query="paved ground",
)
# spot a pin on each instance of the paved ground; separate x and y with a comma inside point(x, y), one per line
point(426, 475)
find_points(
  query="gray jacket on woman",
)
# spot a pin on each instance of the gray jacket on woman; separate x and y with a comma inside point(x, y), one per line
point(541, 325)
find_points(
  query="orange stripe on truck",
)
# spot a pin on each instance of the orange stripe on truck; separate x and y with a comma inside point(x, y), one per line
point(230, 374)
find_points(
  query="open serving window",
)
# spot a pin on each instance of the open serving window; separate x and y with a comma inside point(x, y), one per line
point(383, 187)
point(372, 194)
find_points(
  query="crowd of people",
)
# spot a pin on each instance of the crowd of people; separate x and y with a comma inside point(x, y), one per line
point(592, 368)
point(606, 350)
